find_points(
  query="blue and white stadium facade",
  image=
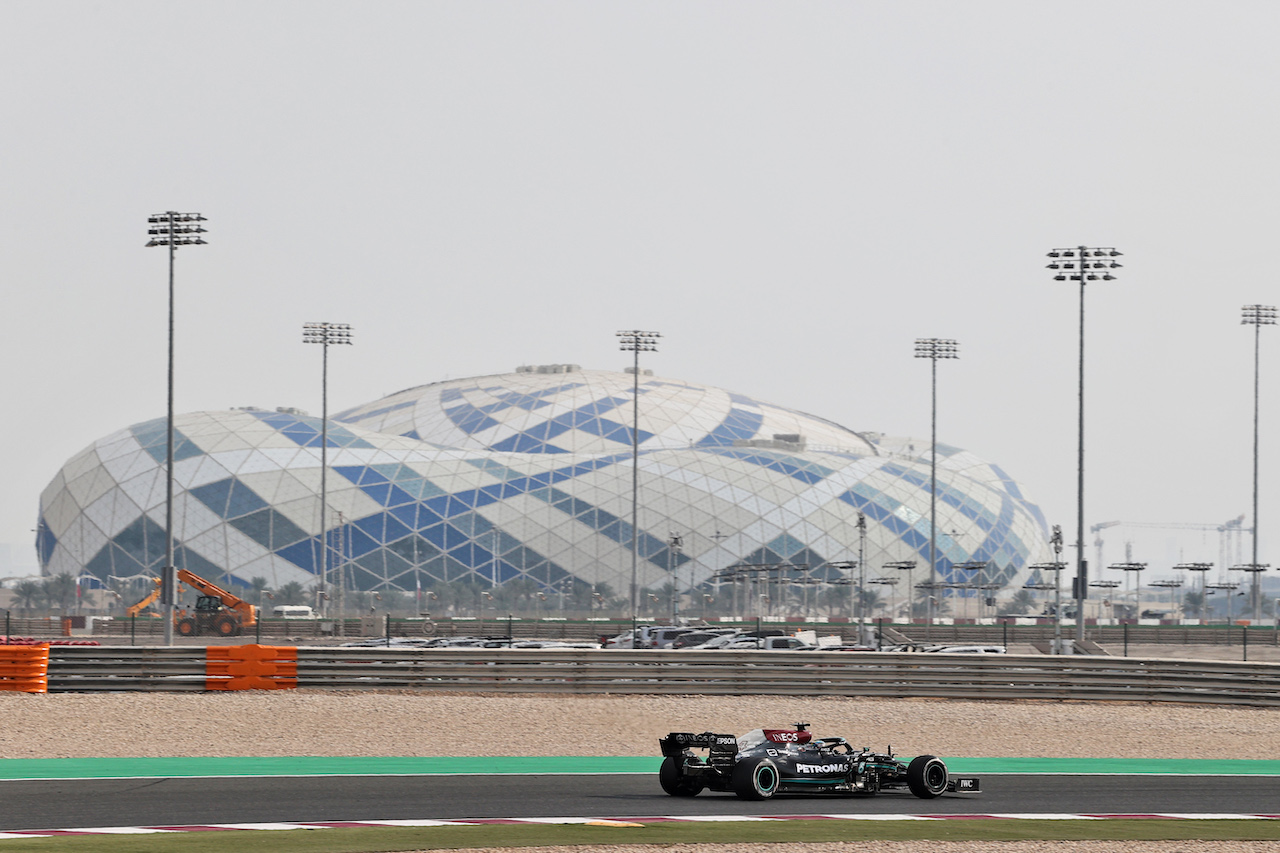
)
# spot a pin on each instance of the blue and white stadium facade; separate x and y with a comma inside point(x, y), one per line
point(529, 474)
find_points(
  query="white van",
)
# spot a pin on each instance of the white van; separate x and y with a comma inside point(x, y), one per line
point(293, 611)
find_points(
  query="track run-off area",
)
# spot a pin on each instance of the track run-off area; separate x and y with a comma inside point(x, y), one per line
point(40, 797)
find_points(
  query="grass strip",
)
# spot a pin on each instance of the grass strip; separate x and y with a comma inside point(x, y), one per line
point(380, 840)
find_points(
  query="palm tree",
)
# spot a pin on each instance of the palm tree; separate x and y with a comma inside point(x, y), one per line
point(291, 593)
point(659, 599)
point(1022, 602)
point(27, 593)
point(259, 586)
point(61, 591)
point(869, 602)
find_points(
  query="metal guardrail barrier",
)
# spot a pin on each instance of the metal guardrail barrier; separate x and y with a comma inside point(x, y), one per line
point(143, 631)
point(900, 675)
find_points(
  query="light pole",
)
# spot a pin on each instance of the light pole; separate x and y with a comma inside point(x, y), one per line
point(1255, 569)
point(325, 334)
point(171, 229)
point(934, 349)
point(1127, 568)
point(892, 583)
point(862, 578)
point(1107, 584)
point(1201, 569)
point(1256, 316)
point(1083, 264)
point(1170, 585)
point(847, 566)
point(674, 541)
point(636, 342)
point(909, 567)
point(1056, 567)
point(1230, 587)
point(967, 586)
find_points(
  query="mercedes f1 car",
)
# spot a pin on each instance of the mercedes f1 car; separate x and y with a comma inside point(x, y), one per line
point(765, 762)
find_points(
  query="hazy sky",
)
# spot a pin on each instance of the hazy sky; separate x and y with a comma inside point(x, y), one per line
point(791, 192)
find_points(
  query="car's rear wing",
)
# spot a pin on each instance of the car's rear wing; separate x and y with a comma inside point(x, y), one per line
point(677, 742)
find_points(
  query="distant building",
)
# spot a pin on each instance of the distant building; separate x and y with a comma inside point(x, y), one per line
point(529, 475)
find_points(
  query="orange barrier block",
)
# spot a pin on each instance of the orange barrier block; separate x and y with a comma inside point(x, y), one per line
point(24, 669)
point(251, 667)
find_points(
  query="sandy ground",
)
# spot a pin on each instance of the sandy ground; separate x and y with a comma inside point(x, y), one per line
point(321, 723)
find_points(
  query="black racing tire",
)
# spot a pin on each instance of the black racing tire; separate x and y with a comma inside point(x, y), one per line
point(927, 776)
point(676, 783)
point(756, 779)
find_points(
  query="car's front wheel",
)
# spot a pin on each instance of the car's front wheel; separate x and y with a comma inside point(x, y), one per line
point(927, 776)
point(676, 783)
point(756, 779)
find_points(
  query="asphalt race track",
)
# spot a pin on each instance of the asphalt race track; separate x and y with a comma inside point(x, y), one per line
point(162, 801)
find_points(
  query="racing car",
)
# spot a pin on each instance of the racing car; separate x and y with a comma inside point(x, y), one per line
point(764, 762)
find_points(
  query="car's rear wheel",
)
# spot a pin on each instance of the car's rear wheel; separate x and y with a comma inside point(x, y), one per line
point(756, 779)
point(676, 783)
point(927, 776)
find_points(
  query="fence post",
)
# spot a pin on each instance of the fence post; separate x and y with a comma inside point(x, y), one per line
point(1244, 634)
point(388, 628)
point(1126, 639)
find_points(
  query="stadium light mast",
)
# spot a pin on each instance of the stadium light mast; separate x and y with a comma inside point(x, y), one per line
point(1083, 264)
point(171, 229)
point(325, 334)
point(1256, 316)
point(636, 342)
point(934, 349)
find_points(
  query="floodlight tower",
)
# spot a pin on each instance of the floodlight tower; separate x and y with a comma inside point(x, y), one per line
point(171, 229)
point(325, 334)
point(934, 349)
point(1083, 264)
point(1256, 316)
point(636, 342)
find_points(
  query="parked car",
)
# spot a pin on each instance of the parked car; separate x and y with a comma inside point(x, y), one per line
point(718, 642)
point(772, 644)
point(648, 637)
point(697, 638)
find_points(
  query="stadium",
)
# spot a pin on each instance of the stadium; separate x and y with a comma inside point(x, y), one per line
point(528, 476)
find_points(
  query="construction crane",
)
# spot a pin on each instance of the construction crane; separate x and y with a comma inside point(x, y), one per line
point(135, 609)
point(1227, 532)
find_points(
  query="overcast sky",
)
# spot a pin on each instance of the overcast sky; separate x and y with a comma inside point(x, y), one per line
point(790, 192)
